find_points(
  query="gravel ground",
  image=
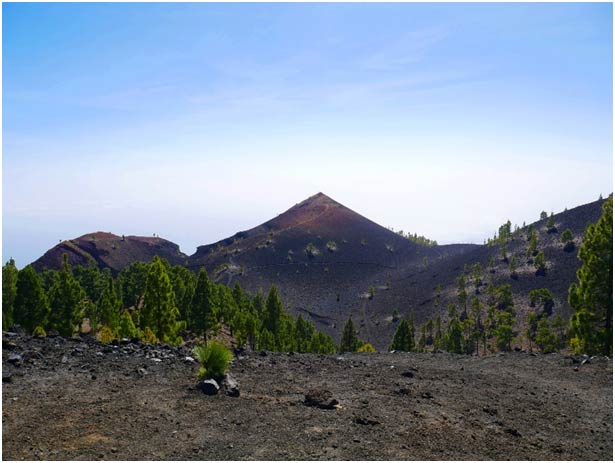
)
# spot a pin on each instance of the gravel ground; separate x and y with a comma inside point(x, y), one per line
point(67, 399)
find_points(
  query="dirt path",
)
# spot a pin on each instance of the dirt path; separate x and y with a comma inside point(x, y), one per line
point(76, 399)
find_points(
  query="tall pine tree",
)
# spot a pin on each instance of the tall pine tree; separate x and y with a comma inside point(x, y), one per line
point(9, 292)
point(591, 325)
point(159, 312)
point(67, 301)
point(31, 306)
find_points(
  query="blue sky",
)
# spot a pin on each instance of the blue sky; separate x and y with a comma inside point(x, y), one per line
point(194, 121)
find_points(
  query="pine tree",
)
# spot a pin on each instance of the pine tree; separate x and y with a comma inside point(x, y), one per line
point(411, 332)
point(31, 306)
point(545, 338)
point(9, 292)
point(531, 320)
point(567, 239)
point(551, 228)
point(533, 244)
point(540, 263)
point(543, 215)
point(592, 296)
point(504, 330)
point(401, 338)
point(127, 327)
point(350, 340)
point(109, 307)
point(462, 295)
point(200, 317)
point(454, 338)
point(273, 312)
point(159, 312)
point(66, 299)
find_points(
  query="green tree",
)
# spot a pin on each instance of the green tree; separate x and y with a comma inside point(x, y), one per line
point(551, 228)
point(592, 296)
point(543, 215)
point(545, 338)
point(132, 283)
point(67, 299)
point(350, 339)
point(109, 306)
point(540, 264)
point(454, 338)
point(31, 307)
point(401, 338)
point(504, 330)
point(9, 293)
point(531, 321)
point(273, 312)
point(127, 328)
point(568, 239)
point(159, 312)
point(542, 298)
point(532, 247)
point(462, 295)
point(200, 317)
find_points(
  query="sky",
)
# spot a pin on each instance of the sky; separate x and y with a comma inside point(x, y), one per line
point(195, 121)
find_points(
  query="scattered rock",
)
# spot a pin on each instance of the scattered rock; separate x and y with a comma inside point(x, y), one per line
point(209, 386)
point(366, 421)
point(229, 383)
point(320, 398)
point(15, 359)
point(513, 432)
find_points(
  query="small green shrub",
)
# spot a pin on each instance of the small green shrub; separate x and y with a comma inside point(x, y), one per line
point(147, 336)
point(367, 347)
point(39, 331)
point(214, 358)
point(105, 335)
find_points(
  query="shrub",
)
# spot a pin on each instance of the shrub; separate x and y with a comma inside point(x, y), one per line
point(39, 331)
point(105, 335)
point(367, 347)
point(214, 358)
point(332, 246)
point(311, 250)
point(147, 336)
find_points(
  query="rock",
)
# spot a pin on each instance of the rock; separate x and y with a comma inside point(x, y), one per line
point(513, 432)
point(9, 345)
point(124, 341)
point(64, 359)
point(263, 353)
point(490, 411)
point(188, 359)
point(10, 334)
point(427, 395)
point(320, 398)
point(6, 376)
point(209, 387)
point(402, 391)
point(15, 359)
point(141, 372)
point(365, 421)
point(229, 383)
point(408, 374)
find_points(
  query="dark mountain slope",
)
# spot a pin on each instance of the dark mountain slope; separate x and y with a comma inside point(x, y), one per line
point(110, 251)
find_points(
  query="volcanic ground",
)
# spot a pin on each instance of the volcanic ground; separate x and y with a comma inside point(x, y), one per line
point(66, 399)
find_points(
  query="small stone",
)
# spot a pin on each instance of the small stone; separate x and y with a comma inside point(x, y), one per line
point(427, 395)
point(188, 359)
point(15, 359)
point(229, 383)
point(408, 374)
point(209, 386)
point(320, 398)
point(365, 421)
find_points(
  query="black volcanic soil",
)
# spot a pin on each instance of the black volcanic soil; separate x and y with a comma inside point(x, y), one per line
point(77, 399)
point(107, 250)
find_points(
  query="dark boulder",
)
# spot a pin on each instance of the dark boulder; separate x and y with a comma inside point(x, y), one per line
point(15, 359)
point(209, 386)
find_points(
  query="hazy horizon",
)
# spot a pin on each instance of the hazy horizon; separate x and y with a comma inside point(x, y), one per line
point(195, 121)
